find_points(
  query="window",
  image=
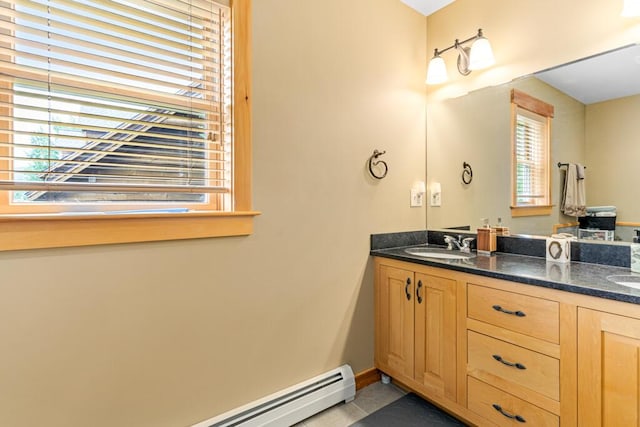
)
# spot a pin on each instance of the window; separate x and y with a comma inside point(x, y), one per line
point(531, 134)
point(134, 113)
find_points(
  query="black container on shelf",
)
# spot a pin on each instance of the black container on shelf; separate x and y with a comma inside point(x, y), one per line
point(597, 222)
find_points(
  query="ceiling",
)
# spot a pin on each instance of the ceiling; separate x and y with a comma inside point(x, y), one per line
point(427, 7)
point(613, 74)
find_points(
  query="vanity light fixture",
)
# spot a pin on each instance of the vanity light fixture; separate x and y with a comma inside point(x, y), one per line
point(476, 57)
point(631, 8)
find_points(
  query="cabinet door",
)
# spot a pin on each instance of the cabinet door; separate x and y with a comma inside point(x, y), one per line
point(394, 329)
point(608, 369)
point(435, 334)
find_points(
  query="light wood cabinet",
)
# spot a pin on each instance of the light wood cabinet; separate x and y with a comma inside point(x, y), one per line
point(513, 355)
point(608, 369)
point(435, 334)
point(495, 352)
point(416, 327)
point(517, 312)
point(483, 398)
point(395, 322)
point(499, 361)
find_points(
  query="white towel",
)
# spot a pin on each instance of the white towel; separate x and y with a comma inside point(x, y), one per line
point(574, 200)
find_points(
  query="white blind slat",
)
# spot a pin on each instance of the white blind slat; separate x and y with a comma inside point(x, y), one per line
point(530, 155)
point(114, 101)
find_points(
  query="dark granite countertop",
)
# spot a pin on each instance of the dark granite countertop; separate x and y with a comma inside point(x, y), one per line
point(576, 277)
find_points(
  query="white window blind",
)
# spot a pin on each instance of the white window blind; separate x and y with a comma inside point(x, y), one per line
point(123, 101)
point(531, 158)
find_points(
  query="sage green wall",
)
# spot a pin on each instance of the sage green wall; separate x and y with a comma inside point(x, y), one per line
point(526, 37)
point(613, 153)
point(169, 334)
point(476, 128)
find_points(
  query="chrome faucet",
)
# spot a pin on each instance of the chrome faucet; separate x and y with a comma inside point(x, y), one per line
point(463, 245)
point(452, 241)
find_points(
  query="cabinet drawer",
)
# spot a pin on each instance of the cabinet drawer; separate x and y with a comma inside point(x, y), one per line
point(517, 365)
point(527, 315)
point(501, 408)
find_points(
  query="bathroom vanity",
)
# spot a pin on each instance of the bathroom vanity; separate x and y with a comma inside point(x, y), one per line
point(510, 339)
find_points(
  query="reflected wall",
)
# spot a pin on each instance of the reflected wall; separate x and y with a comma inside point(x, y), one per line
point(476, 128)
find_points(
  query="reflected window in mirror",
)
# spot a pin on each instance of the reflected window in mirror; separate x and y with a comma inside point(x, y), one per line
point(531, 165)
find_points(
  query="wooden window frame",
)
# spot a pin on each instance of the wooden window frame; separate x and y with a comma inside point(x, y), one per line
point(20, 231)
point(521, 100)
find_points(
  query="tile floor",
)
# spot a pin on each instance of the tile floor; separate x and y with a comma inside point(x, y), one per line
point(369, 399)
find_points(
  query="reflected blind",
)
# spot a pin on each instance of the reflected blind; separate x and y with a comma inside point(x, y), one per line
point(111, 101)
point(531, 133)
point(531, 158)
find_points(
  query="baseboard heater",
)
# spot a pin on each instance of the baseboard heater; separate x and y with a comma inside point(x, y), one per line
point(293, 404)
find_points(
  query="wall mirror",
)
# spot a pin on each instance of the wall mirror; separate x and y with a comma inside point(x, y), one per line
point(596, 123)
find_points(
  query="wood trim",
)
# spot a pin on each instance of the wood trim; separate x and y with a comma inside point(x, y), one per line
point(569, 364)
point(529, 103)
point(590, 361)
point(566, 224)
point(54, 231)
point(517, 211)
point(367, 377)
point(51, 231)
point(461, 338)
point(514, 112)
point(628, 224)
point(242, 62)
point(378, 357)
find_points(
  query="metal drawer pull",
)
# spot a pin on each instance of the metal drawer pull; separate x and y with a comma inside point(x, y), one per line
point(406, 289)
point(418, 292)
point(515, 313)
point(508, 415)
point(504, 362)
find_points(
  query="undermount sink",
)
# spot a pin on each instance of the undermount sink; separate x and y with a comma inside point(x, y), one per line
point(628, 280)
point(438, 253)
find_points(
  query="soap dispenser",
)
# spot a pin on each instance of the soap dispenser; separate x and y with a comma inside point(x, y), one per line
point(486, 239)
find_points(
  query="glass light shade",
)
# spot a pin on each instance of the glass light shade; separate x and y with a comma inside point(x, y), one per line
point(437, 71)
point(631, 8)
point(481, 55)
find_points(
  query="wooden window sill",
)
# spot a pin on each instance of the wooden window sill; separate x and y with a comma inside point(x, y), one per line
point(65, 230)
point(517, 211)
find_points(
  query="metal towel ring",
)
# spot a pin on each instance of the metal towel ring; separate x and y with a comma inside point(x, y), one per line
point(373, 162)
point(467, 173)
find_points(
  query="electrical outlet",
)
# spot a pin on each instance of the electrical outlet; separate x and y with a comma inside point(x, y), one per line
point(416, 198)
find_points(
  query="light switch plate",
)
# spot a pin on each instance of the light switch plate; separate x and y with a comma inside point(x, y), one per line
point(416, 198)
